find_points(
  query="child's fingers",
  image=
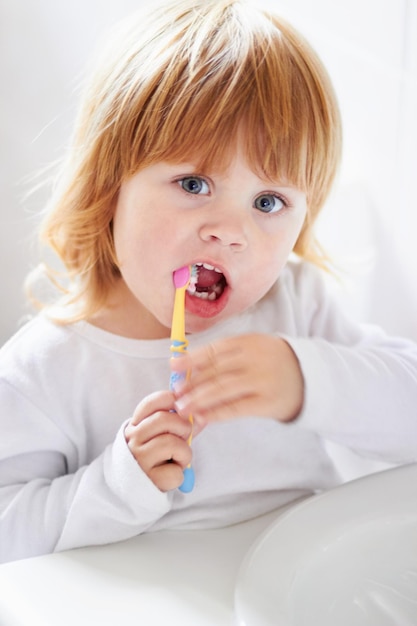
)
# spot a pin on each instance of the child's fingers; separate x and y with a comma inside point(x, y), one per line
point(158, 401)
point(159, 445)
point(218, 377)
point(164, 460)
point(167, 477)
point(210, 361)
point(250, 375)
point(237, 406)
point(216, 356)
point(164, 449)
point(201, 398)
point(157, 424)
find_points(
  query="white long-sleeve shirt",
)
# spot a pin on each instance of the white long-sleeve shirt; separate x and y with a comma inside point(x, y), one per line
point(68, 479)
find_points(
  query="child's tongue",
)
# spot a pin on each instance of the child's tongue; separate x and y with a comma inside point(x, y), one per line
point(207, 278)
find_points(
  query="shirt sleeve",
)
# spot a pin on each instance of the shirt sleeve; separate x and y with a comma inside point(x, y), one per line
point(360, 383)
point(44, 508)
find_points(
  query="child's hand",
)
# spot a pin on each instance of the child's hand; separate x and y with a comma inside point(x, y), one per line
point(241, 376)
point(157, 438)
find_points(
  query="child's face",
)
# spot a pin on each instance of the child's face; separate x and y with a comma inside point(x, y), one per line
point(170, 215)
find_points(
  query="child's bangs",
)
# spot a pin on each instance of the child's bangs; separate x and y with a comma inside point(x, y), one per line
point(247, 84)
point(209, 141)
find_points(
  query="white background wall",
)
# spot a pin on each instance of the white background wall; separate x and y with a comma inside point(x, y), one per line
point(370, 224)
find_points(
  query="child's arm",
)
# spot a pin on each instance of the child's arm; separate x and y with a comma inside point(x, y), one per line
point(53, 500)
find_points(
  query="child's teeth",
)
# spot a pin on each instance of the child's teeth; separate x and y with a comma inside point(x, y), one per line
point(205, 295)
point(207, 266)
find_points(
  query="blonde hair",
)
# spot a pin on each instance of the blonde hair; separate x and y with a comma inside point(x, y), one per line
point(179, 85)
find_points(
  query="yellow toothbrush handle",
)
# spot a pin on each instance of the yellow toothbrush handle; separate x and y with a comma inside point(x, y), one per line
point(179, 345)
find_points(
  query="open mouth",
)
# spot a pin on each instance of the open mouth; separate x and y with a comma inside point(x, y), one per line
point(207, 282)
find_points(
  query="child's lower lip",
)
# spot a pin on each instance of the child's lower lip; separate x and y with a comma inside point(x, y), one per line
point(206, 308)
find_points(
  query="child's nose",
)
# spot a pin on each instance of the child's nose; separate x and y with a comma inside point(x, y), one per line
point(227, 228)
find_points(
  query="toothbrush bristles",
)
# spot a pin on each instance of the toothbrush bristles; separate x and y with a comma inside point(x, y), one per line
point(193, 278)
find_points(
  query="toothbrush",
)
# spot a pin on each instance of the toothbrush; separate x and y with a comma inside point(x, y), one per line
point(182, 278)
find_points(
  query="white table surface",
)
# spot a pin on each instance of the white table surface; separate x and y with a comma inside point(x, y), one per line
point(184, 578)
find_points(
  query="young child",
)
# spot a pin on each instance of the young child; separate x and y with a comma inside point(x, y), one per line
point(209, 137)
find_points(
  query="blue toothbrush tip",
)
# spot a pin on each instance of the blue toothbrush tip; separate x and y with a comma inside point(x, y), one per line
point(188, 482)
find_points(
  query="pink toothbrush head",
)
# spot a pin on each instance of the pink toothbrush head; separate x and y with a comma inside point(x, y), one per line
point(185, 277)
point(181, 277)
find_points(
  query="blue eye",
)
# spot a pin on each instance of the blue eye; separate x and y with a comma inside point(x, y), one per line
point(269, 203)
point(194, 184)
